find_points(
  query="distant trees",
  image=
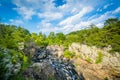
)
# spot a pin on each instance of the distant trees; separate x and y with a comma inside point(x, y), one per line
point(60, 38)
point(111, 21)
point(39, 39)
point(51, 38)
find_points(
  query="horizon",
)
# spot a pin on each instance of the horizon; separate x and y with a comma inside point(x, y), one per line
point(57, 15)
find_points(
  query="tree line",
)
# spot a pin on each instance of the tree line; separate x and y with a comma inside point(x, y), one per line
point(109, 34)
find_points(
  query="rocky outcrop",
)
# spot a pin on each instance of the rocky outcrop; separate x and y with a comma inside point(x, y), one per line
point(48, 67)
point(93, 53)
point(56, 50)
point(96, 63)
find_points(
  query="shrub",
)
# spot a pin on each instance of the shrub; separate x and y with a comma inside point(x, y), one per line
point(89, 60)
point(3, 68)
point(18, 76)
point(99, 58)
point(25, 63)
point(68, 54)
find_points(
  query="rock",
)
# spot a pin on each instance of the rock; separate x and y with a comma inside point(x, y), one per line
point(16, 68)
point(94, 52)
point(46, 66)
point(55, 50)
point(107, 68)
point(42, 55)
point(30, 49)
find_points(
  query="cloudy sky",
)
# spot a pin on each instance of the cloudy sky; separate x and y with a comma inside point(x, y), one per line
point(57, 15)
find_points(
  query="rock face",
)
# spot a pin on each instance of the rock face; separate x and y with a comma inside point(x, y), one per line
point(94, 53)
point(95, 63)
point(47, 67)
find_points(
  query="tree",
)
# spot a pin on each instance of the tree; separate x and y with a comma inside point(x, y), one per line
point(111, 21)
point(51, 38)
point(60, 38)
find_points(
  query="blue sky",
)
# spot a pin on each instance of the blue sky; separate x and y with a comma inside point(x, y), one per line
point(57, 15)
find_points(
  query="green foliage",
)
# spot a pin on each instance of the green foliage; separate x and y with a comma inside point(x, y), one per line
point(99, 58)
point(68, 54)
point(18, 76)
point(89, 60)
point(51, 38)
point(3, 69)
point(11, 35)
point(111, 21)
point(12, 57)
point(25, 63)
point(59, 38)
point(39, 39)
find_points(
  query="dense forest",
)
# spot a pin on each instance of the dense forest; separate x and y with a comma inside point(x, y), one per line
point(12, 37)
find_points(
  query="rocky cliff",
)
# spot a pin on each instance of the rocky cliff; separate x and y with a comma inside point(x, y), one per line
point(95, 63)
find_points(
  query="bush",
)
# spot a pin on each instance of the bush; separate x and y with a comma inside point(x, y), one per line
point(68, 54)
point(25, 63)
point(18, 76)
point(99, 58)
point(3, 68)
point(89, 60)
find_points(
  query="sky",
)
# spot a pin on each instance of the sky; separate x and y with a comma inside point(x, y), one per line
point(57, 15)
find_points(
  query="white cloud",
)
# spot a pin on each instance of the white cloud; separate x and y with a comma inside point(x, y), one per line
point(50, 15)
point(28, 8)
point(104, 7)
point(107, 5)
point(16, 22)
point(98, 21)
point(100, 24)
point(76, 18)
point(93, 17)
point(116, 11)
point(99, 9)
point(26, 13)
point(67, 17)
point(46, 27)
